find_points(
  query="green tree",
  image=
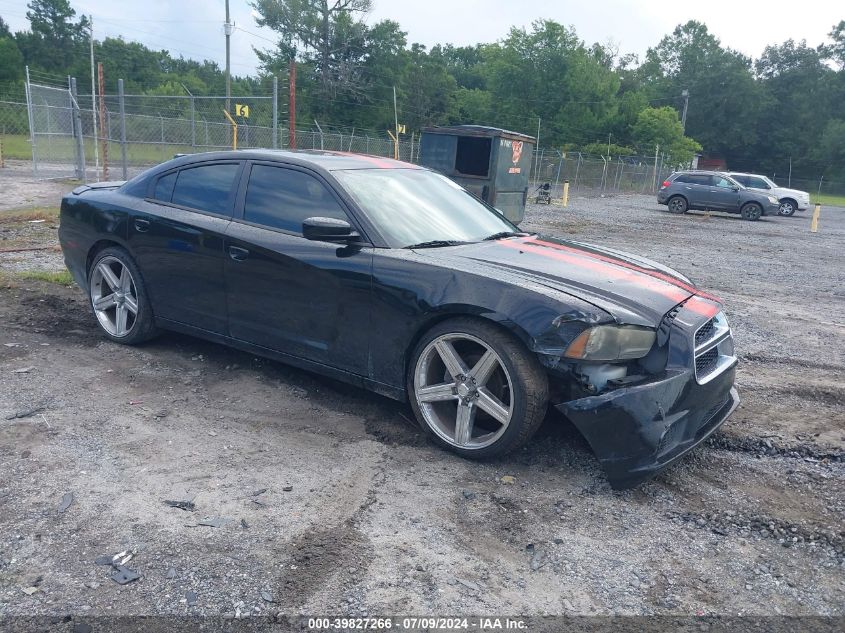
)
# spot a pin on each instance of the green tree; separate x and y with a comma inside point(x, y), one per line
point(55, 40)
point(724, 100)
point(547, 72)
point(12, 67)
point(661, 126)
point(326, 35)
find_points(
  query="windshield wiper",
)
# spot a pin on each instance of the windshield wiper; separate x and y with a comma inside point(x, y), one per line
point(436, 244)
point(498, 236)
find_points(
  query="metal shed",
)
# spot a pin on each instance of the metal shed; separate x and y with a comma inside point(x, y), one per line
point(490, 162)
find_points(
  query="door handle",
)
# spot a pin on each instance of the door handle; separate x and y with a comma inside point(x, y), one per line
point(237, 253)
point(142, 226)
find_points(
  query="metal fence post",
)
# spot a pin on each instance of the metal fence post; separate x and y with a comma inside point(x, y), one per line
point(193, 124)
point(121, 105)
point(275, 112)
point(577, 169)
point(77, 131)
point(31, 123)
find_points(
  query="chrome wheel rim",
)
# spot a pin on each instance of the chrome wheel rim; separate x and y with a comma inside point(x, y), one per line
point(114, 296)
point(786, 208)
point(464, 391)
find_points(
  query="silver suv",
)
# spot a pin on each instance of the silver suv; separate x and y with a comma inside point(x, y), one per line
point(715, 191)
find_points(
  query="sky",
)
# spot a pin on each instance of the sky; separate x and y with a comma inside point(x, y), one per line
point(193, 28)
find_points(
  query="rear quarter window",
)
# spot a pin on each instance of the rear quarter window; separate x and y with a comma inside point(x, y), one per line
point(164, 187)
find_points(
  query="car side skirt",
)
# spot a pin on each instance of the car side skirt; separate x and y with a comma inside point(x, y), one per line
point(380, 388)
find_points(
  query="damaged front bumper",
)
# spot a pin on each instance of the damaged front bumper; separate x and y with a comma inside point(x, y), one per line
point(638, 430)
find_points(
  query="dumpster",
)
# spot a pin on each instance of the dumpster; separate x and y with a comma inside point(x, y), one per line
point(492, 163)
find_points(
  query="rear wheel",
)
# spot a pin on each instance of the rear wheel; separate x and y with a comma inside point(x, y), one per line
point(677, 204)
point(788, 207)
point(119, 299)
point(476, 389)
point(751, 211)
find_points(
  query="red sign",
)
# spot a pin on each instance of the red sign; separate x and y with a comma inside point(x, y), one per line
point(517, 152)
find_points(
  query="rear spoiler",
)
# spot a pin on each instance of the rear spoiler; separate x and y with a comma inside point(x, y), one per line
point(110, 184)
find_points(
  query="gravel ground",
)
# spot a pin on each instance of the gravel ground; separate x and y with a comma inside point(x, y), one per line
point(327, 499)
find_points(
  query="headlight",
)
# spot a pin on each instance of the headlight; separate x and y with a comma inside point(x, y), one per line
point(773, 200)
point(611, 342)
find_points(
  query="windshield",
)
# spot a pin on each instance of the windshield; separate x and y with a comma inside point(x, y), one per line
point(415, 206)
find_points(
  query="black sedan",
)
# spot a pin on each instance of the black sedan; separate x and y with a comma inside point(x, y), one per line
point(394, 278)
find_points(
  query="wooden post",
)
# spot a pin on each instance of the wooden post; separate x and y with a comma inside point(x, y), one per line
point(814, 223)
point(565, 193)
point(104, 134)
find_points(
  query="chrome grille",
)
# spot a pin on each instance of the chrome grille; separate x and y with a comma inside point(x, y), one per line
point(714, 348)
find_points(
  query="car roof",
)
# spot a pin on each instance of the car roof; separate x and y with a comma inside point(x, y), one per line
point(701, 171)
point(324, 159)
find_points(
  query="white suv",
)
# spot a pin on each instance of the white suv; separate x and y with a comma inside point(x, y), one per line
point(791, 200)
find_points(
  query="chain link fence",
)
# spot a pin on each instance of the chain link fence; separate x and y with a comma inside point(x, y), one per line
point(60, 134)
point(596, 175)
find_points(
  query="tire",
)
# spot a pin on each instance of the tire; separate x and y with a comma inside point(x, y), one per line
point(119, 300)
point(751, 211)
point(510, 383)
point(677, 204)
point(788, 207)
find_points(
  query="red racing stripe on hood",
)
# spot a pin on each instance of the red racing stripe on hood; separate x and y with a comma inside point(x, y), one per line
point(619, 262)
point(653, 284)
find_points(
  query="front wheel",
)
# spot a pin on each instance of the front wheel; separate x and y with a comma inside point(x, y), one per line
point(677, 204)
point(751, 211)
point(476, 388)
point(787, 207)
point(119, 299)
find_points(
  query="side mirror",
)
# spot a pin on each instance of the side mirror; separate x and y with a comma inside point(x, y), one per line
point(735, 187)
point(327, 230)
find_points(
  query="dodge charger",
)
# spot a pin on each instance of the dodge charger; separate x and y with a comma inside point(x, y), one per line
point(392, 277)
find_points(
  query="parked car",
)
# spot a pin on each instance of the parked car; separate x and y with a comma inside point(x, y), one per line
point(712, 190)
point(791, 200)
point(396, 279)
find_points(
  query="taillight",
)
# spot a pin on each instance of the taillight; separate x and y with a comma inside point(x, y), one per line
point(665, 184)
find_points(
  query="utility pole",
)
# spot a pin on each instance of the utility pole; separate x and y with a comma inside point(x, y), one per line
point(94, 101)
point(685, 95)
point(227, 29)
point(292, 104)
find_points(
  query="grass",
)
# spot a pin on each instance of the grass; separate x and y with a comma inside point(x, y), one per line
point(61, 277)
point(63, 149)
point(25, 214)
point(827, 199)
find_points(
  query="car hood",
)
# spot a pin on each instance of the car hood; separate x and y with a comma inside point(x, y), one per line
point(784, 191)
point(631, 289)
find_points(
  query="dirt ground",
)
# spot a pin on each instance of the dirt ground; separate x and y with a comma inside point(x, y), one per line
point(327, 499)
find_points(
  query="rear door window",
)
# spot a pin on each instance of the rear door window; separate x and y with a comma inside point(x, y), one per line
point(694, 179)
point(756, 183)
point(281, 198)
point(206, 188)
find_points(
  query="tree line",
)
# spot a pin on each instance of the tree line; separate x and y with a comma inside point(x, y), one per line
point(782, 109)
